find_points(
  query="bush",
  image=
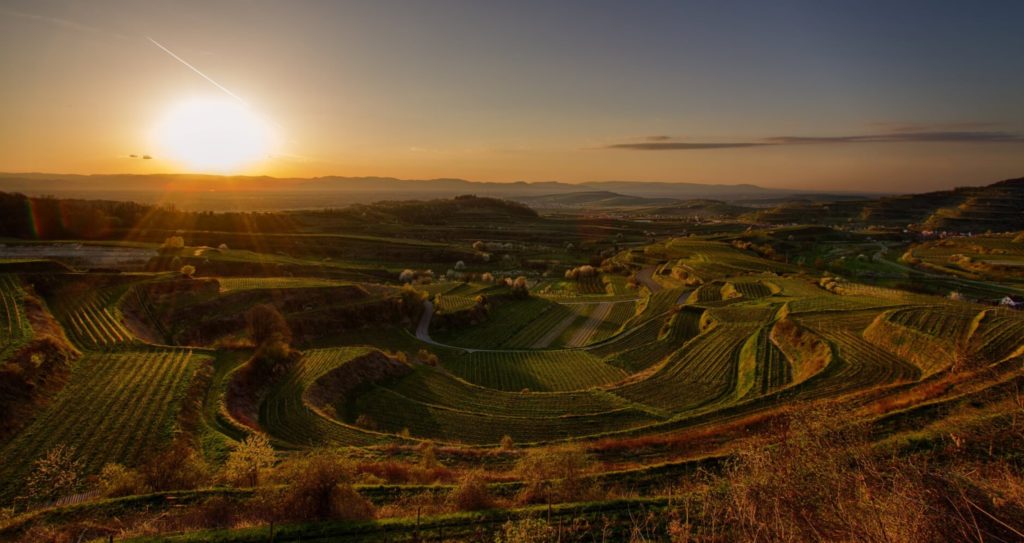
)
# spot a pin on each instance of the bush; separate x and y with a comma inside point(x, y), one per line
point(520, 288)
point(506, 443)
point(177, 468)
point(188, 270)
point(319, 488)
point(249, 458)
point(530, 530)
point(426, 357)
point(265, 324)
point(115, 480)
point(472, 493)
point(173, 243)
point(55, 475)
point(555, 474)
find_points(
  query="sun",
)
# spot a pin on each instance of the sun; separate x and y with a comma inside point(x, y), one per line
point(213, 135)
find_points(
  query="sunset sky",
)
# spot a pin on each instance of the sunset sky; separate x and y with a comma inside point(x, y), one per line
point(893, 95)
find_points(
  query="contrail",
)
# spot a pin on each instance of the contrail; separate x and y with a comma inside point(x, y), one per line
point(196, 70)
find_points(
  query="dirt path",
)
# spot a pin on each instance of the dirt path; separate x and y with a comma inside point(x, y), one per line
point(597, 316)
point(646, 276)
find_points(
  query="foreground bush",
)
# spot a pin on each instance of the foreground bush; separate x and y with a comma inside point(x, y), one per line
point(472, 493)
point(556, 474)
point(319, 487)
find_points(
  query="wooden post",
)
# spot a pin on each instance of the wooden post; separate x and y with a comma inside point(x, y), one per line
point(416, 534)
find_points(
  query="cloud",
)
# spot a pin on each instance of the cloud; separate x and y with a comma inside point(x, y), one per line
point(681, 146)
point(658, 138)
point(895, 136)
point(66, 24)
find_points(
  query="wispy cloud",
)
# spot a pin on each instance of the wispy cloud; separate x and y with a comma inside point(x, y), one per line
point(65, 24)
point(663, 143)
point(681, 146)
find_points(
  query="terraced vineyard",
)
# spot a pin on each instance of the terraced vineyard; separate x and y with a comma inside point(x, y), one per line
point(1000, 334)
point(752, 290)
point(763, 368)
point(14, 328)
point(393, 412)
point(948, 321)
point(117, 407)
point(450, 303)
point(93, 321)
point(534, 371)
point(704, 371)
point(288, 419)
point(228, 284)
point(642, 384)
point(507, 319)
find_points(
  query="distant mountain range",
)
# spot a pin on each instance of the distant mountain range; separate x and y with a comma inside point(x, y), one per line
point(336, 191)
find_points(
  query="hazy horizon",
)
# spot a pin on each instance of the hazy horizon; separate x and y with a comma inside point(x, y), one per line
point(797, 95)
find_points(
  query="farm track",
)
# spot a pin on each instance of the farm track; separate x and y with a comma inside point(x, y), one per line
point(597, 316)
point(554, 332)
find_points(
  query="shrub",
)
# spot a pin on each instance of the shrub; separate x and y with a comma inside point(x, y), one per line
point(177, 468)
point(115, 480)
point(188, 270)
point(472, 493)
point(319, 487)
point(172, 244)
point(427, 357)
point(249, 458)
point(555, 474)
point(428, 456)
point(520, 288)
point(487, 277)
point(506, 443)
point(530, 530)
point(265, 323)
point(56, 475)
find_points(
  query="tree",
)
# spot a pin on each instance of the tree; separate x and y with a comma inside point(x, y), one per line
point(188, 270)
point(555, 473)
point(116, 480)
point(320, 487)
point(520, 289)
point(172, 244)
point(266, 324)
point(55, 475)
point(176, 468)
point(472, 493)
point(249, 458)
